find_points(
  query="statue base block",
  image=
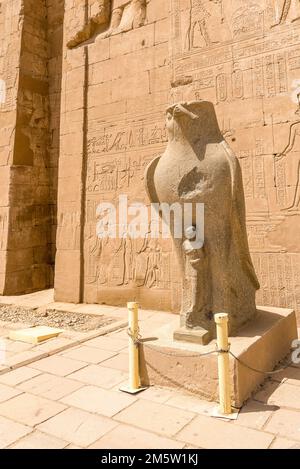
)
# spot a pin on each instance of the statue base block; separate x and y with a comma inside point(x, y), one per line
point(261, 344)
point(195, 336)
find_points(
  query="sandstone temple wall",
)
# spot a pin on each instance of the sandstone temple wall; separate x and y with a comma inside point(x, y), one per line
point(30, 168)
point(241, 55)
point(55, 18)
point(115, 92)
point(10, 45)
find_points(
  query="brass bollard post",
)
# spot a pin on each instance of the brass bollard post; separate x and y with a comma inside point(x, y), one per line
point(134, 385)
point(224, 410)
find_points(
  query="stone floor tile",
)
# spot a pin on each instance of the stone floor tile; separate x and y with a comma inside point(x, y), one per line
point(18, 376)
point(11, 431)
point(88, 354)
point(71, 446)
point(282, 395)
point(39, 440)
point(211, 433)
point(77, 426)
point(24, 358)
point(285, 423)
point(58, 365)
point(157, 394)
point(127, 437)
point(108, 343)
point(6, 392)
point(55, 345)
point(120, 335)
point(50, 386)
point(123, 384)
point(187, 446)
point(7, 356)
point(30, 410)
point(291, 376)
point(98, 400)
point(255, 414)
point(283, 443)
point(99, 376)
point(191, 403)
point(118, 362)
point(16, 346)
point(158, 418)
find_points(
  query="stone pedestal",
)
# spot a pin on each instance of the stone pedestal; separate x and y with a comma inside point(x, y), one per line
point(261, 344)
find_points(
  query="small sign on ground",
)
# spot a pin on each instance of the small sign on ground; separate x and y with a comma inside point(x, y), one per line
point(35, 335)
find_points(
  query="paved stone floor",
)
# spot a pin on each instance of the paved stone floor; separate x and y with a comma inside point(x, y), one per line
point(71, 399)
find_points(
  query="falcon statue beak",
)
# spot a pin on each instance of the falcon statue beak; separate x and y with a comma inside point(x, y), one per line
point(180, 109)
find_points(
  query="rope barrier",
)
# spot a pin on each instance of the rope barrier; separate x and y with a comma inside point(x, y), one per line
point(139, 341)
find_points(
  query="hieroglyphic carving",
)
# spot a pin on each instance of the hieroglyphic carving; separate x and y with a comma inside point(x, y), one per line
point(281, 73)
point(117, 140)
point(258, 235)
point(68, 230)
point(270, 89)
point(176, 28)
point(258, 78)
point(115, 174)
point(226, 52)
point(237, 84)
point(117, 157)
point(279, 275)
point(252, 164)
point(8, 57)
point(138, 263)
point(263, 76)
point(293, 59)
point(253, 78)
point(247, 20)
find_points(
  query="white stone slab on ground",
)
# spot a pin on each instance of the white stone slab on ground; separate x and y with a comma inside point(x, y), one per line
point(35, 335)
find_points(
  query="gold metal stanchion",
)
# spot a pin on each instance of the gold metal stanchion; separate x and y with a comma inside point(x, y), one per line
point(134, 385)
point(224, 410)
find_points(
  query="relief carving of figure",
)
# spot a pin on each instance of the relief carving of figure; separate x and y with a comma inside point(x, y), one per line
point(198, 166)
point(197, 34)
point(291, 153)
point(109, 17)
point(207, 24)
point(289, 8)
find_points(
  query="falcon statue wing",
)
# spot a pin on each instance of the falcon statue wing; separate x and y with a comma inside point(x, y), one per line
point(149, 180)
